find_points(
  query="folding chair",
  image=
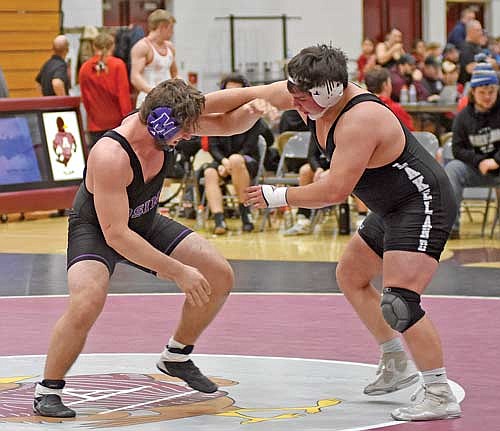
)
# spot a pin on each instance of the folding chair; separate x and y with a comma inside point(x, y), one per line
point(428, 140)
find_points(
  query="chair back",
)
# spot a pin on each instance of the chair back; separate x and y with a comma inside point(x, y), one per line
point(295, 148)
point(428, 140)
point(447, 152)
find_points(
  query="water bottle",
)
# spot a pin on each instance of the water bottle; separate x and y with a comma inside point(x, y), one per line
point(200, 217)
point(403, 95)
point(412, 94)
point(344, 219)
point(288, 218)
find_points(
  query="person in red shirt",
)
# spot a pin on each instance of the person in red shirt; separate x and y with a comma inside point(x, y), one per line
point(104, 88)
point(378, 81)
point(367, 59)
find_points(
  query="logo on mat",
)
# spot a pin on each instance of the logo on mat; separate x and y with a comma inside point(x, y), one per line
point(124, 399)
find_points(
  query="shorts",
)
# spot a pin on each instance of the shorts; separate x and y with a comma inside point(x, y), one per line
point(408, 229)
point(86, 242)
point(251, 164)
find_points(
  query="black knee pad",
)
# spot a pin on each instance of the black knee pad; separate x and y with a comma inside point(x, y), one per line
point(401, 308)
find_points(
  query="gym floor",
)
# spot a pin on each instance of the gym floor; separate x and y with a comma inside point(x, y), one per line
point(287, 350)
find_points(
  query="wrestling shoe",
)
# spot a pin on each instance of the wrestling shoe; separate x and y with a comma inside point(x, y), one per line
point(438, 403)
point(51, 405)
point(188, 372)
point(395, 371)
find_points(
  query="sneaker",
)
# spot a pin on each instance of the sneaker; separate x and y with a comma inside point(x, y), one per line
point(301, 227)
point(438, 403)
point(52, 406)
point(220, 224)
point(246, 218)
point(395, 371)
point(188, 372)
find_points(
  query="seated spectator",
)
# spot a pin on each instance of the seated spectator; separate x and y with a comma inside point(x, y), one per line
point(53, 78)
point(476, 138)
point(431, 80)
point(367, 59)
point(291, 121)
point(378, 81)
point(433, 49)
point(237, 158)
point(389, 52)
point(419, 52)
point(105, 88)
point(405, 74)
point(451, 53)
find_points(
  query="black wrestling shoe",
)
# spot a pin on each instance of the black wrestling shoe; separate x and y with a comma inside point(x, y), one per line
point(188, 372)
point(246, 218)
point(52, 406)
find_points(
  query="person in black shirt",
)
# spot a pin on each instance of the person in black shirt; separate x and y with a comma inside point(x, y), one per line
point(53, 78)
point(412, 211)
point(114, 220)
point(476, 138)
point(237, 158)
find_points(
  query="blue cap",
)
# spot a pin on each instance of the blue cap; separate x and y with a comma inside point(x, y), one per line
point(482, 75)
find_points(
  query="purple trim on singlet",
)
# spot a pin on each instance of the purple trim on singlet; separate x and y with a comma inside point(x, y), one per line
point(89, 257)
point(177, 240)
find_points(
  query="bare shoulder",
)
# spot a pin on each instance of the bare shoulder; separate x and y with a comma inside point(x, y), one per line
point(141, 47)
point(108, 158)
point(170, 46)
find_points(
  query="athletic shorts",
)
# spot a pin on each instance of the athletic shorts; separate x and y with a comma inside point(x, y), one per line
point(86, 241)
point(251, 164)
point(408, 229)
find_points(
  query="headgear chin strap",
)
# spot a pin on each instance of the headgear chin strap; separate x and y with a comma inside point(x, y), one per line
point(161, 124)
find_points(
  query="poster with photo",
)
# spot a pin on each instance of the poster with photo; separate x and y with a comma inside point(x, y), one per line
point(64, 145)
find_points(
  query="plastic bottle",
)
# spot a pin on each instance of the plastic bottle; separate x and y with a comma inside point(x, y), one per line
point(344, 219)
point(288, 217)
point(200, 217)
point(403, 95)
point(412, 94)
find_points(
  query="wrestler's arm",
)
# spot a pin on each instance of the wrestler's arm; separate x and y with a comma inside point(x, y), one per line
point(139, 56)
point(354, 148)
point(235, 122)
point(227, 100)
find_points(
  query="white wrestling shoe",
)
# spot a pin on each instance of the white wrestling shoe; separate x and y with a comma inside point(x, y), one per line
point(395, 371)
point(301, 227)
point(438, 403)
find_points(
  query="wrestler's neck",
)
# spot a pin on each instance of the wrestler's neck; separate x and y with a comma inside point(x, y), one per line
point(137, 135)
point(156, 39)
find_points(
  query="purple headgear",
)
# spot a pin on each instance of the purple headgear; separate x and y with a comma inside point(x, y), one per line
point(161, 124)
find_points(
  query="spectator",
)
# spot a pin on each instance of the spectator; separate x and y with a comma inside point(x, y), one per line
point(105, 89)
point(405, 74)
point(470, 49)
point(378, 81)
point(237, 158)
point(433, 49)
point(431, 80)
point(451, 53)
point(419, 52)
point(458, 34)
point(53, 78)
point(367, 59)
point(153, 57)
point(476, 138)
point(291, 121)
point(4, 91)
point(389, 52)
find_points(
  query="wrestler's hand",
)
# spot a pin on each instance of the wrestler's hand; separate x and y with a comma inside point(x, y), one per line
point(255, 197)
point(194, 285)
point(260, 107)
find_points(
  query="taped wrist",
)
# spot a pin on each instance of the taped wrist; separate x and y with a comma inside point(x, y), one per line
point(275, 197)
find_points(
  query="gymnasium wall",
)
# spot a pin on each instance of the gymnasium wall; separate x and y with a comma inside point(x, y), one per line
point(27, 29)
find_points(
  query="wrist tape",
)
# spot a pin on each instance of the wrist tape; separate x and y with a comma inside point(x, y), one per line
point(275, 197)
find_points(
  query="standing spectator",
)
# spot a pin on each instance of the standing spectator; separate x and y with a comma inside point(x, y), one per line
point(105, 89)
point(389, 52)
point(476, 138)
point(378, 81)
point(458, 34)
point(53, 78)
point(4, 91)
point(153, 57)
point(367, 59)
point(470, 49)
point(406, 74)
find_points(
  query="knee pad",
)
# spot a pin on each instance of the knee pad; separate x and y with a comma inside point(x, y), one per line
point(401, 308)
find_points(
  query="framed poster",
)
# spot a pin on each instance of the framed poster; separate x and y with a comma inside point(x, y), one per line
point(64, 145)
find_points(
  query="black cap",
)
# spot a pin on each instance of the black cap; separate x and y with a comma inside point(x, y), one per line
point(448, 47)
point(430, 60)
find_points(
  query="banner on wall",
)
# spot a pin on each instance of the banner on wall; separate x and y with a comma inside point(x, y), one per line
point(64, 145)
